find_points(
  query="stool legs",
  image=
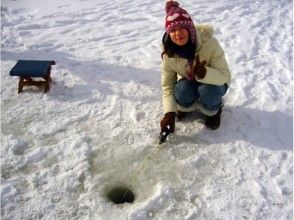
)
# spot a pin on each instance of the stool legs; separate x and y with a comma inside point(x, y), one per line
point(28, 81)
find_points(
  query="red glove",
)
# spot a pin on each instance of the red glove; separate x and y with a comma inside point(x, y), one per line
point(168, 120)
point(199, 69)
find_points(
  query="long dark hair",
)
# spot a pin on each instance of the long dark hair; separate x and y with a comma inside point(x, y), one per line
point(170, 48)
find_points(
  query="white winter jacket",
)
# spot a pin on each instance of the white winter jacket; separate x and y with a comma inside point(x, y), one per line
point(174, 68)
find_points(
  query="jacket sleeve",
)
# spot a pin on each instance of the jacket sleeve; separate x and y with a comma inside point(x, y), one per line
point(168, 82)
point(218, 72)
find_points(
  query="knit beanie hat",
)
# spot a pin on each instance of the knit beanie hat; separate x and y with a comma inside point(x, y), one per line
point(178, 17)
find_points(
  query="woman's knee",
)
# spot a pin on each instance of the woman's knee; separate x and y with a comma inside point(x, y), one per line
point(211, 96)
point(185, 92)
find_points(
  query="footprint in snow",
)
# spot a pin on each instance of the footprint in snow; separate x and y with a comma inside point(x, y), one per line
point(137, 116)
point(18, 147)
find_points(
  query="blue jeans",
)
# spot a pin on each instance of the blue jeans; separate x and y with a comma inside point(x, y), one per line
point(187, 92)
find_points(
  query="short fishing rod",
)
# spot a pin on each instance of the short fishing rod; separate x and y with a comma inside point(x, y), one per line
point(162, 139)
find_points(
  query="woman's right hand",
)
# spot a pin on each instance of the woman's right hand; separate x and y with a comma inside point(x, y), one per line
point(168, 120)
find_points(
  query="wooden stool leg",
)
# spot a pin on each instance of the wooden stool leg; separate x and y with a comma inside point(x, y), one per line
point(47, 80)
point(47, 86)
point(20, 84)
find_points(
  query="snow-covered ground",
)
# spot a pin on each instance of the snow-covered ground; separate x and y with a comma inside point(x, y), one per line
point(62, 151)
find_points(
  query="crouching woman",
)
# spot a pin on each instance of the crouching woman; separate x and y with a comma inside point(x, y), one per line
point(194, 70)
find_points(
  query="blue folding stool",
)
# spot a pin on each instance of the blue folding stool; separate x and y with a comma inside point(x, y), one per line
point(28, 69)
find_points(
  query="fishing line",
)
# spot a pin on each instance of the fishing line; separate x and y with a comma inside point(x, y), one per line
point(163, 135)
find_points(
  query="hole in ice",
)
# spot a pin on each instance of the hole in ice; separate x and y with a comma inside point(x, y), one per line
point(119, 195)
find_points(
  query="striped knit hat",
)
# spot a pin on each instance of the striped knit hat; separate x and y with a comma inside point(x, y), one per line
point(178, 17)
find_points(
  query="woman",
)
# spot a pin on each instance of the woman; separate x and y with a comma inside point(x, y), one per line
point(195, 73)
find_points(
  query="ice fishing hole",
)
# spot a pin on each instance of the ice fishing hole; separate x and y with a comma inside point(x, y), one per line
point(119, 195)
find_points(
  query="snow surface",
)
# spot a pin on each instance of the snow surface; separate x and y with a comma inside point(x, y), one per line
point(61, 152)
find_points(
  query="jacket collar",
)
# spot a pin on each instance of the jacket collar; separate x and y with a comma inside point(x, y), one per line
point(198, 41)
point(203, 33)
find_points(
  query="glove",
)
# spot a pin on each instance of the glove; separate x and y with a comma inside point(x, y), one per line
point(168, 120)
point(199, 70)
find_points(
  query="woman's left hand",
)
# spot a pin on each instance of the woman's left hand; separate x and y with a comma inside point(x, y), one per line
point(199, 70)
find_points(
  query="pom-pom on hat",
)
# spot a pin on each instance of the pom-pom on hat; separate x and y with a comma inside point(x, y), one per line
point(178, 17)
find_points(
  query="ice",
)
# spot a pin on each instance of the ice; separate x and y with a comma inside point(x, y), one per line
point(62, 151)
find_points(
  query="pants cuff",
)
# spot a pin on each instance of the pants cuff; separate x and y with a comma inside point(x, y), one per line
point(197, 106)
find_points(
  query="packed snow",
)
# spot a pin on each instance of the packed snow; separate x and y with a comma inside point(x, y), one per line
point(61, 152)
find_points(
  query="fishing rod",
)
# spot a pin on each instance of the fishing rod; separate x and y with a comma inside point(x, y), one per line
point(162, 138)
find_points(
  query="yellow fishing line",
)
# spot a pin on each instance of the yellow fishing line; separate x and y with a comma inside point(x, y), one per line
point(155, 150)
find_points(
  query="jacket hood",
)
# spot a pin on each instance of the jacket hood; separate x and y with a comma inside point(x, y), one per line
point(205, 29)
point(204, 32)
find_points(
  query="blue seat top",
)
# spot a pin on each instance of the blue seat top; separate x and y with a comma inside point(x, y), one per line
point(31, 68)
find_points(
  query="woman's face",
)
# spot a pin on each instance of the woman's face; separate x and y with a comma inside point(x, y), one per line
point(179, 36)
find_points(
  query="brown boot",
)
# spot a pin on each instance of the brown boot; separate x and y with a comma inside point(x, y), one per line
point(181, 115)
point(213, 122)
